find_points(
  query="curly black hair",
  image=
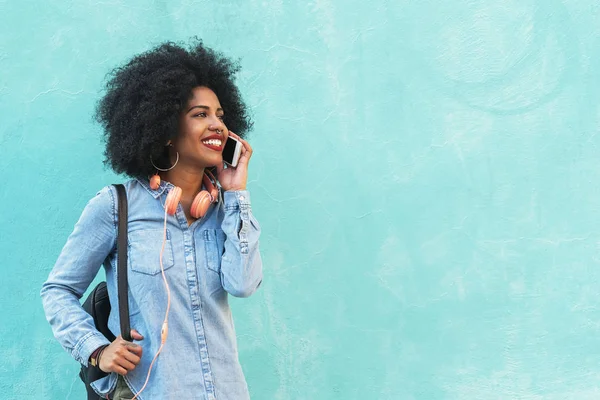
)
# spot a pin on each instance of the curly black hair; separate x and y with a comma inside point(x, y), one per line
point(144, 98)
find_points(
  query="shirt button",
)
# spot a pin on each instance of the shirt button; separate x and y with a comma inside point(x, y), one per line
point(242, 198)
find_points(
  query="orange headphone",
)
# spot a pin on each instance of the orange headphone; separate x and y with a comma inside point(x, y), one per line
point(201, 202)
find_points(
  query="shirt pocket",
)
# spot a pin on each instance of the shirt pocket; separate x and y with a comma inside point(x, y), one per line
point(144, 251)
point(214, 247)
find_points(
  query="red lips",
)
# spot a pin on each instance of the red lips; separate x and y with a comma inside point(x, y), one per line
point(211, 146)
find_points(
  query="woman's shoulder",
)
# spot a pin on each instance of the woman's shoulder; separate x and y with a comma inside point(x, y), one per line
point(110, 191)
point(105, 202)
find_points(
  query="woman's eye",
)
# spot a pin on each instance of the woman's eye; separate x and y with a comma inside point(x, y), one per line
point(221, 117)
point(203, 115)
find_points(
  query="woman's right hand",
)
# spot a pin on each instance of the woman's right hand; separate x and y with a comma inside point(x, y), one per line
point(121, 356)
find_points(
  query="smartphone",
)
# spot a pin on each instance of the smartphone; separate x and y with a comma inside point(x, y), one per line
point(232, 151)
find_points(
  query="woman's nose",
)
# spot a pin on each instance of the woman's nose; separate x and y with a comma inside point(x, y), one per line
point(217, 126)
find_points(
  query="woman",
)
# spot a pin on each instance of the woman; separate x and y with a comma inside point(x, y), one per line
point(166, 116)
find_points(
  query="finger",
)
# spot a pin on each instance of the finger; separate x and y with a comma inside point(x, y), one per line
point(247, 149)
point(135, 349)
point(131, 345)
point(247, 146)
point(123, 363)
point(119, 370)
point(245, 156)
point(132, 358)
point(136, 335)
point(244, 142)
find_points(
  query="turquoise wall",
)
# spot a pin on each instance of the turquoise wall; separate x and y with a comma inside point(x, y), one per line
point(425, 174)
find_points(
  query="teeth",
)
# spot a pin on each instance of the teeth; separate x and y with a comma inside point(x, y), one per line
point(213, 142)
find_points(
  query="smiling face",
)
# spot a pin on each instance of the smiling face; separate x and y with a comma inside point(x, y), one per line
point(202, 132)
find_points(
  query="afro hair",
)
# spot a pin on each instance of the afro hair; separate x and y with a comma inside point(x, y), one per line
point(144, 99)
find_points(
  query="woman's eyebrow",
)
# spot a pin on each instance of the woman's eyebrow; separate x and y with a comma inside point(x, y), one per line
point(204, 108)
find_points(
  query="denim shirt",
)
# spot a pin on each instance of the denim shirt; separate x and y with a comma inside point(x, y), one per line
point(215, 256)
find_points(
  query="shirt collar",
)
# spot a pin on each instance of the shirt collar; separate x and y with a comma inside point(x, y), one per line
point(155, 193)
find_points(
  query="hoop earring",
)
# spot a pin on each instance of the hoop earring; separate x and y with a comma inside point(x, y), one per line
point(155, 180)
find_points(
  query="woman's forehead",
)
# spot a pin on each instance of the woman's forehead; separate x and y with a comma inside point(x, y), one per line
point(201, 95)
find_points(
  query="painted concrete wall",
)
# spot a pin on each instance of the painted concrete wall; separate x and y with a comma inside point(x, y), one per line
point(426, 175)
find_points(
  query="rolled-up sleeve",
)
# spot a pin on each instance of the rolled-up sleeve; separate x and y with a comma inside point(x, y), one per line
point(241, 264)
point(92, 239)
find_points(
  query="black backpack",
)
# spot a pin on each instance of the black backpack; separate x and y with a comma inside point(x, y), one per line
point(97, 303)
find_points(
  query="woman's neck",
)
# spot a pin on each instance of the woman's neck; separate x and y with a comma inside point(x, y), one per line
point(188, 179)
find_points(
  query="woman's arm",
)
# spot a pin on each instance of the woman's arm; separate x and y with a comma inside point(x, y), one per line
point(241, 264)
point(92, 239)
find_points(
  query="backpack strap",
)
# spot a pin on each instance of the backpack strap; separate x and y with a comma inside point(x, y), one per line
point(122, 263)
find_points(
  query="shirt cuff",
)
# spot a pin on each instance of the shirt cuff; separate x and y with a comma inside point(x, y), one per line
point(86, 346)
point(236, 199)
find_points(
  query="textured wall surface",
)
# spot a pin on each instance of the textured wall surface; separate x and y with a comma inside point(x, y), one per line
point(426, 175)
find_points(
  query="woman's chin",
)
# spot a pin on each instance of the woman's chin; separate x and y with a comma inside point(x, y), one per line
point(209, 162)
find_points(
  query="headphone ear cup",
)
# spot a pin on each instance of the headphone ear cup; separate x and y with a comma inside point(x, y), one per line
point(155, 182)
point(173, 200)
point(200, 204)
